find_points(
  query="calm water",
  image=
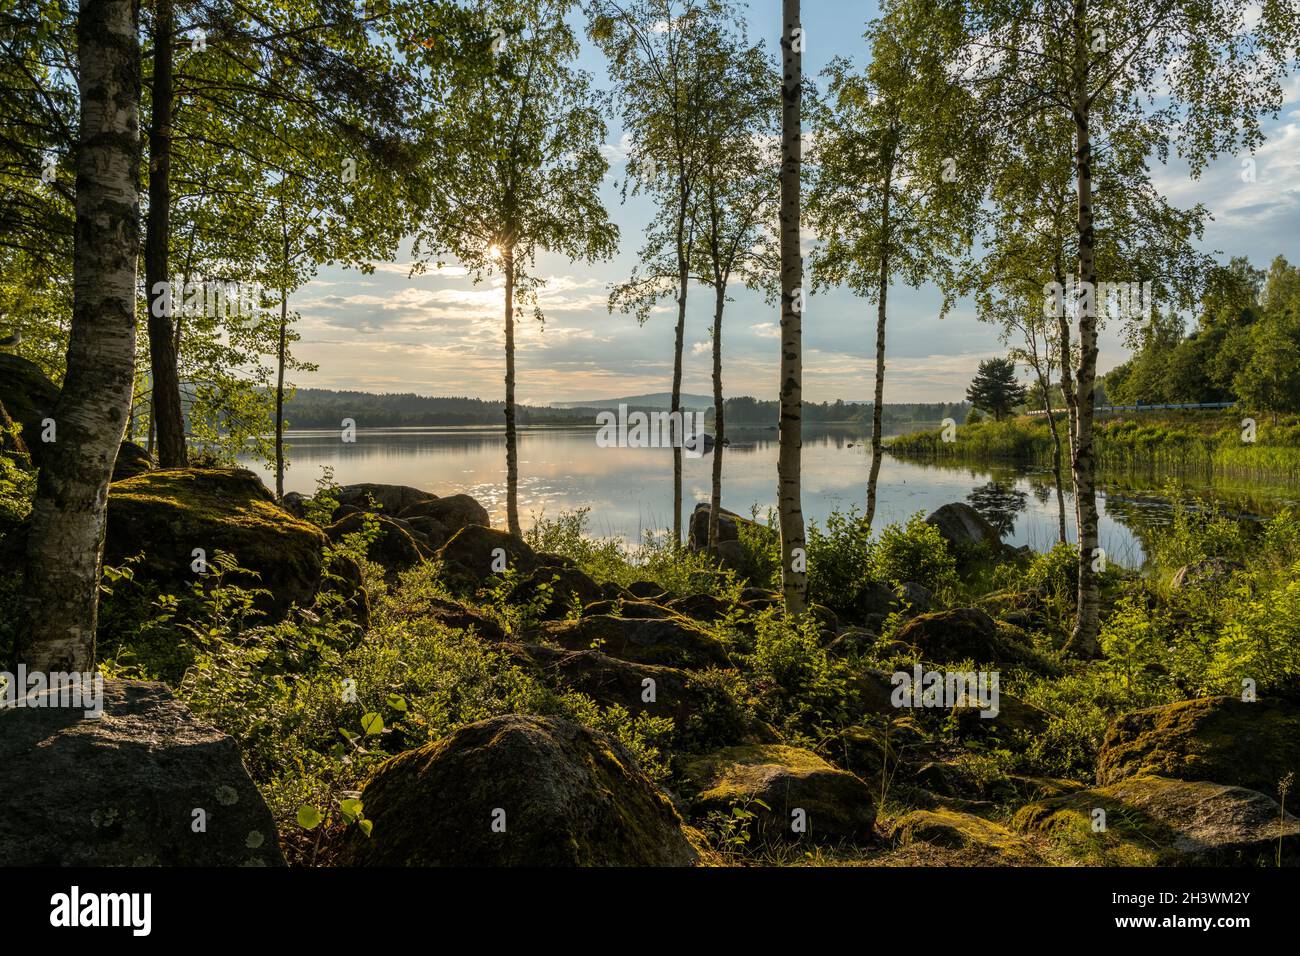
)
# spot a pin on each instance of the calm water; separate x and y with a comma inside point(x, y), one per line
point(629, 490)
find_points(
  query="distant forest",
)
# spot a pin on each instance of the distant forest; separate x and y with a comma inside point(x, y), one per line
point(326, 408)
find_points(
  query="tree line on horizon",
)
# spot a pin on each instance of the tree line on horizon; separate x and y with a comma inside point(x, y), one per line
point(993, 150)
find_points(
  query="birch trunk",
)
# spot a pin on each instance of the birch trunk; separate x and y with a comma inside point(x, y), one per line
point(512, 448)
point(1084, 639)
point(715, 496)
point(794, 579)
point(66, 536)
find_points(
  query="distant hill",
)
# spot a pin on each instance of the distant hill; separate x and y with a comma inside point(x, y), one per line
point(325, 408)
point(652, 400)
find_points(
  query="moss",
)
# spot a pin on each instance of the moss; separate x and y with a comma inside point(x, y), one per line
point(1222, 739)
point(168, 513)
point(981, 839)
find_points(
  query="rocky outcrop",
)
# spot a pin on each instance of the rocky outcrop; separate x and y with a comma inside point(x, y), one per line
point(476, 555)
point(1155, 821)
point(390, 499)
point(168, 513)
point(673, 642)
point(805, 797)
point(29, 396)
point(982, 841)
point(393, 546)
point(964, 633)
point(965, 529)
point(132, 460)
point(518, 791)
point(703, 711)
point(143, 785)
point(1249, 744)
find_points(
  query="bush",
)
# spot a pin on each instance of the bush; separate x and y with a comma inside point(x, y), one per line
point(839, 560)
point(914, 551)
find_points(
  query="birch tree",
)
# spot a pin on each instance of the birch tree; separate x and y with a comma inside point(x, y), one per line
point(66, 531)
point(515, 168)
point(1187, 78)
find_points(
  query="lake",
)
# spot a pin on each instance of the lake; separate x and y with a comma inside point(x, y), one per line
point(629, 490)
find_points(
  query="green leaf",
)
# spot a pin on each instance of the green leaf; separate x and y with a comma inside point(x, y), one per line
point(366, 826)
point(308, 817)
point(372, 724)
point(397, 702)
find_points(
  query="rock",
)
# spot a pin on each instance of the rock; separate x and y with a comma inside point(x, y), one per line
point(122, 790)
point(918, 598)
point(869, 751)
point(1156, 821)
point(704, 712)
point(29, 396)
point(1015, 719)
point(986, 842)
point(730, 549)
point(673, 642)
point(641, 610)
point(428, 531)
point(852, 642)
point(295, 503)
point(836, 805)
point(167, 513)
point(394, 547)
point(475, 555)
point(647, 590)
point(567, 796)
point(569, 589)
point(961, 634)
point(964, 528)
point(132, 460)
point(701, 607)
point(452, 513)
point(1205, 573)
point(391, 499)
point(1223, 739)
point(453, 615)
point(872, 691)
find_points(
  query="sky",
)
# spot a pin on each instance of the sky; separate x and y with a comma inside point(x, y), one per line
point(442, 334)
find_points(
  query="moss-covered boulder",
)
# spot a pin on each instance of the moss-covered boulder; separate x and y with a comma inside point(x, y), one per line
point(674, 642)
point(964, 528)
point(966, 634)
point(29, 396)
point(793, 793)
point(450, 513)
point(393, 545)
point(392, 500)
point(555, 592)
point(448, 613)
point(701, 706)
point(1211, 572)
point(518, 791)
point(631, 608)
point(1156, 821)
point(1210, 738)
point(131, 460)
point(701, 607)
point(475, 556)
point(168, 513)
point(984, 842)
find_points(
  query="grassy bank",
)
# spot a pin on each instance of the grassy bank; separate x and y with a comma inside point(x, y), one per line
point(1209, 445)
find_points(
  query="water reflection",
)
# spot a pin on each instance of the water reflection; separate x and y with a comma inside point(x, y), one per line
point(629, 490)
point(999, 502)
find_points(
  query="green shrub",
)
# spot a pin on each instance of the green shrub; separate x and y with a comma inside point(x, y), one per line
point(914, 551)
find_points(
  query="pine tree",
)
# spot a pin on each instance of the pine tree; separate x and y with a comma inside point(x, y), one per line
point(995, 388)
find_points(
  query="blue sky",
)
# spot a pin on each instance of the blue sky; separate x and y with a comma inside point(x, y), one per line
point(440, 334)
